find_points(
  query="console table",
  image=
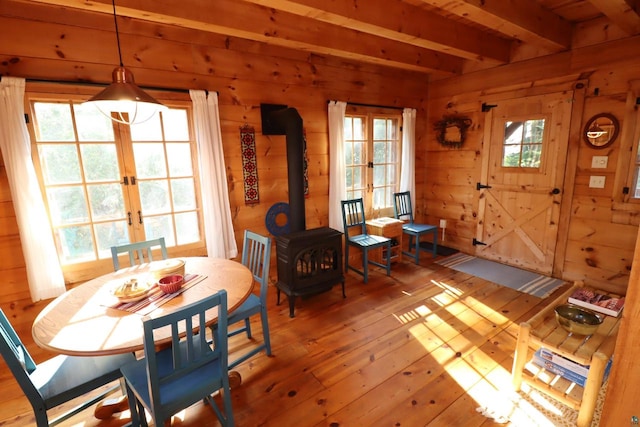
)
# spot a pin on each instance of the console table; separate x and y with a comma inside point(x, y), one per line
point(542, 330)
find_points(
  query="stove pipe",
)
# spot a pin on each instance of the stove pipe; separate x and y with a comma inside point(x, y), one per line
point(290, 122)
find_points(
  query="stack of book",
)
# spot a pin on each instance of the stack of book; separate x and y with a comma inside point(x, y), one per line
point(564, 367)
point(598, 301)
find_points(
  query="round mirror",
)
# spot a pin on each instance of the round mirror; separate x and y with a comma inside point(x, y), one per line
point(601, 130)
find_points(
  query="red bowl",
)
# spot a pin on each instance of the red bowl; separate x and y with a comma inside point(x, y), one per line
point(171, 284)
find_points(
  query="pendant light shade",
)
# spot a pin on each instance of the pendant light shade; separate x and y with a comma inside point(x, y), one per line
point(595, 131)
point(124, 96)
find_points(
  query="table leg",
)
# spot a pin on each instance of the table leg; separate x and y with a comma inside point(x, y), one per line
point(591, 389)
point(520, 356)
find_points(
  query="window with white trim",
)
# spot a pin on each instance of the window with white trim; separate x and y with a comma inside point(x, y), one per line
point(372, 147)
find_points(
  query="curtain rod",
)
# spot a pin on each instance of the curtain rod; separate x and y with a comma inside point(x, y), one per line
point(358, 104)
point(63, 82)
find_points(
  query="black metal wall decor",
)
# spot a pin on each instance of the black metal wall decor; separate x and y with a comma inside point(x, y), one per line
point(451, 131)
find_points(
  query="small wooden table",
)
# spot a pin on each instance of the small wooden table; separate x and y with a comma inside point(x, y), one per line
point(542, 330)
point(391, 228)
point(78, 323)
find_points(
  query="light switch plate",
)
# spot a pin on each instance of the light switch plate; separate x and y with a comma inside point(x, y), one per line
point(596, 181)
point(599, 162)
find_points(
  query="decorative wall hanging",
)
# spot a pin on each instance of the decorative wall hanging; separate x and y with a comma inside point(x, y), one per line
point(305, 163)
point(277, 219)
point(451, 131)
point(601, 130)
point(249, 165)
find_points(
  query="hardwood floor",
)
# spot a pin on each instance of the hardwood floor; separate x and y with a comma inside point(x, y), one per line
point(425, 347)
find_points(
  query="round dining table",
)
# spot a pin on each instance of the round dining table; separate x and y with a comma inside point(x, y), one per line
point(88, 321)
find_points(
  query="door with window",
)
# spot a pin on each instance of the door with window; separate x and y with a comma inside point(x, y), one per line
point(372, 144)
point(107, 184)
point(522, 177)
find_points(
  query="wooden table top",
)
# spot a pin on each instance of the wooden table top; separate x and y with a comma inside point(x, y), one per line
point(79, 322)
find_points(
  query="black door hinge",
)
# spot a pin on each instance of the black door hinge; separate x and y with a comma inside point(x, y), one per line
point(477, 242)
point(480, 186)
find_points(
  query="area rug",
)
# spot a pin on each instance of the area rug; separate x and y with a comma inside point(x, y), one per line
point(515, 278)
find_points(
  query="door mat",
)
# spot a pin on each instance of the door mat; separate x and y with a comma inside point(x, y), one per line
point(515, 278)
point(441, 250)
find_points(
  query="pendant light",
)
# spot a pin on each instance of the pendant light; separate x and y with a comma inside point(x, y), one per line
point(123, 95)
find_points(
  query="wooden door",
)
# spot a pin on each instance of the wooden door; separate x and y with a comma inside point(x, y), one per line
point(524, 157)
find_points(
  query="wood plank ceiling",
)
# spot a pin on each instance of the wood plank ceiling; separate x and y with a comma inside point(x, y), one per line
point(439, 38)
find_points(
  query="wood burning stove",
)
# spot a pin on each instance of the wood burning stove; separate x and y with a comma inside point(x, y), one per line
point(309, 262)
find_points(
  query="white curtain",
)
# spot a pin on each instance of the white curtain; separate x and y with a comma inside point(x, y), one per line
point(408, 172)
point(337, 171)
point(44, 273)
point(218, 225)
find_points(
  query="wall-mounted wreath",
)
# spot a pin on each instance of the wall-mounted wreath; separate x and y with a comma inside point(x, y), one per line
point(451, 130)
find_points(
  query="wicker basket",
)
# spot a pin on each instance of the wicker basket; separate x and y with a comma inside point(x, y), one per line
point(167, 267)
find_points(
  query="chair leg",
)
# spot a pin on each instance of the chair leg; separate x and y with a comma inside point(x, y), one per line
point(247, 326)
point(389, 258)
point(365, 264)
point(417, 256)
point(265, 330)
point(435, 242)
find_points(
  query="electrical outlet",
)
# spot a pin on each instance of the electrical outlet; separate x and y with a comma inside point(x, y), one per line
point(443, 223)
point(596, 181)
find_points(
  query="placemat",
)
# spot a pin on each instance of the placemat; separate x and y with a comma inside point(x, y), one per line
point(155, 298)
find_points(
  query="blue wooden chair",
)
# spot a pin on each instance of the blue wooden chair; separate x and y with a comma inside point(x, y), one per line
point(60, 379)
point(167, 381)
point(137, 252)
point(353, 217)
point(256, 255)
point(403, 210)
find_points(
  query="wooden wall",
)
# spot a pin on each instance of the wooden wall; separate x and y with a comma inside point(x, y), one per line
point(596, 242)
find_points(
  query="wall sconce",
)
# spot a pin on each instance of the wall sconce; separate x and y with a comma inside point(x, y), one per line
point(123, 95)
point(601, 130)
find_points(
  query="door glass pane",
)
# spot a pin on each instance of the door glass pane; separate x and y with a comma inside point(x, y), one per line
point(106, 202)
point(522, 144)
point(179, 159)
point(149, 130)
point(60, 163)
point(183, 193)
point(112, 233)
point(100, 162)
point(67, 205)
point(53, 122)
point(150, 160)
point(159, 226)
point(154, 197)
point(187, 229)
point(176, 126)
point(75, 243)
point(92, 125)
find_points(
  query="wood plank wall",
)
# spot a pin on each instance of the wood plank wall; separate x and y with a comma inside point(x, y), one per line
point(244, 74)
point(599, 239)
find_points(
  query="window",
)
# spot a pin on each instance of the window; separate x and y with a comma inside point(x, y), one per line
point(522, 144)
point(627, 183)
point(372, 143)
point(107, 184)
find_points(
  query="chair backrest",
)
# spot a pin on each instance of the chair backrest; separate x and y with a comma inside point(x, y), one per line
point(402, 205)
point(256, 256)
point(137, 252)
point(18, 359)
point(189, 353)
point(353, 216)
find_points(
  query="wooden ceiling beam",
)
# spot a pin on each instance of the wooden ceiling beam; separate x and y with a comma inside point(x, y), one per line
point(403, 23)
point(624, 13)
point(249, 21)
point(525, 20)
